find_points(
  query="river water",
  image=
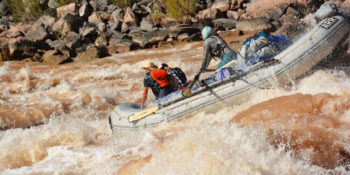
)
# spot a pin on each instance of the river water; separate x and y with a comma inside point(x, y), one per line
point(54, 120)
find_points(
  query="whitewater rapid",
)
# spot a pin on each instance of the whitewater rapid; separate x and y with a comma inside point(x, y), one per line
point(54, 120)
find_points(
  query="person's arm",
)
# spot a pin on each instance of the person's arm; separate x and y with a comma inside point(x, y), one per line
point(176, 83)
point(206, 56)
point(144, 96)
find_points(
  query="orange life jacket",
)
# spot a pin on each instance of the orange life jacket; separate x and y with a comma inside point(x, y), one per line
point(160, 76)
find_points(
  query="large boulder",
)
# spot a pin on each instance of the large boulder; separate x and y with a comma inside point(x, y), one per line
point(15, 31)
point(177, 30)
point(291, 25)
point(95, 18)
point(101, 41)
point(54, 57)
point(255, 24)
point(117, 36)
point(146, 25)
point(37, 32)
point(233, 14)
point(69, 8)
point(118, 14)
point(69, 22)
point(85, 10)
point(102, 27)
point(224, 24)
point(225, 5)
point(147, 39)
point(91, 53)
point(210, 13)
point(222, 5)
point(143, 7)
point(237, 4)
point(116, 26)
point(47, 21)
point(277, 12)
point(21, 48)
point(130, 19)
point(101, 5)
point(121, 46)
point(183, 37)
point(56, 44)
point(111, 8)
point(72, 40)
point(89, 34)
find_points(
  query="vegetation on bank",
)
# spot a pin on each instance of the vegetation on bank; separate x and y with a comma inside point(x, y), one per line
point(28, 10)
point(63, 2)
point(120, 3)
point(179, 9)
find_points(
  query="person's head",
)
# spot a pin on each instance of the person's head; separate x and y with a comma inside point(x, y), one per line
point(207, 32)
point(165, 66)
point(149, 66)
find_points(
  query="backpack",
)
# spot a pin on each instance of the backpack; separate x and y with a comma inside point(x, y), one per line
point(262, 46)
point(180, 74)
point(219, 47)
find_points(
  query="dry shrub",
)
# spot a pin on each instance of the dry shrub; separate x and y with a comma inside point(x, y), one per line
point(121, 3)
point(63, 2)
point(178, 9)
point(29, 10)
point(26, 10)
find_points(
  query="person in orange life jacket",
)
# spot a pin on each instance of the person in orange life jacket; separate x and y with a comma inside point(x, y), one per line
point(157, 80)
point(179, 79)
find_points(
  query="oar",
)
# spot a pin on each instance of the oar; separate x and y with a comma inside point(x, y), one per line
point(210, 70)
point(187, 92)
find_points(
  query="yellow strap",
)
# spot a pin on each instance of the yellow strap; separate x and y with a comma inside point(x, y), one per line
point(143, 114)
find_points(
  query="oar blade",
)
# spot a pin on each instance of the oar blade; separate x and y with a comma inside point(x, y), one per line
point(142, 114)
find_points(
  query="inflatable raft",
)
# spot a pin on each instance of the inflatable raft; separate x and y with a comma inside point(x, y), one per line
point(236, 88)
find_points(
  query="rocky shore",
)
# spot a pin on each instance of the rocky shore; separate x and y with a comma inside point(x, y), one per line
point(89, 29)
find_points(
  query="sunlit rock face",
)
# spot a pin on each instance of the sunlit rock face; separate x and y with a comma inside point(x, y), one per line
point(315, 126)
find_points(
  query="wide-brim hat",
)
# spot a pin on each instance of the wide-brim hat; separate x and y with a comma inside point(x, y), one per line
point(149, 65)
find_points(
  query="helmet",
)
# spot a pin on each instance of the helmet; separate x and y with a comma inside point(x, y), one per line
point(207, 32)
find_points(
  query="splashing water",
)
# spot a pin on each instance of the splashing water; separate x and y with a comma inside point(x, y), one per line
point(54, 121)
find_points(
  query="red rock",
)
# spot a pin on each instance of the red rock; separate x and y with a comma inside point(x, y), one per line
point(69, 8)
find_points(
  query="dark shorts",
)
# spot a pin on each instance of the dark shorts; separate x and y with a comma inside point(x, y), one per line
point(164, 91)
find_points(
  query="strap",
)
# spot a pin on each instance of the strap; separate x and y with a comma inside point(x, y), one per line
point(221, 47)
point(222, 74)
point(211, 90)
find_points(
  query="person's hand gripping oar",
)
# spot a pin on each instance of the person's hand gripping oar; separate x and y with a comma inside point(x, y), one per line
point(188, 92)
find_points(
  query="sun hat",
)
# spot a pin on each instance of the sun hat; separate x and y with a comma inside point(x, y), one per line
point(149, 65)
